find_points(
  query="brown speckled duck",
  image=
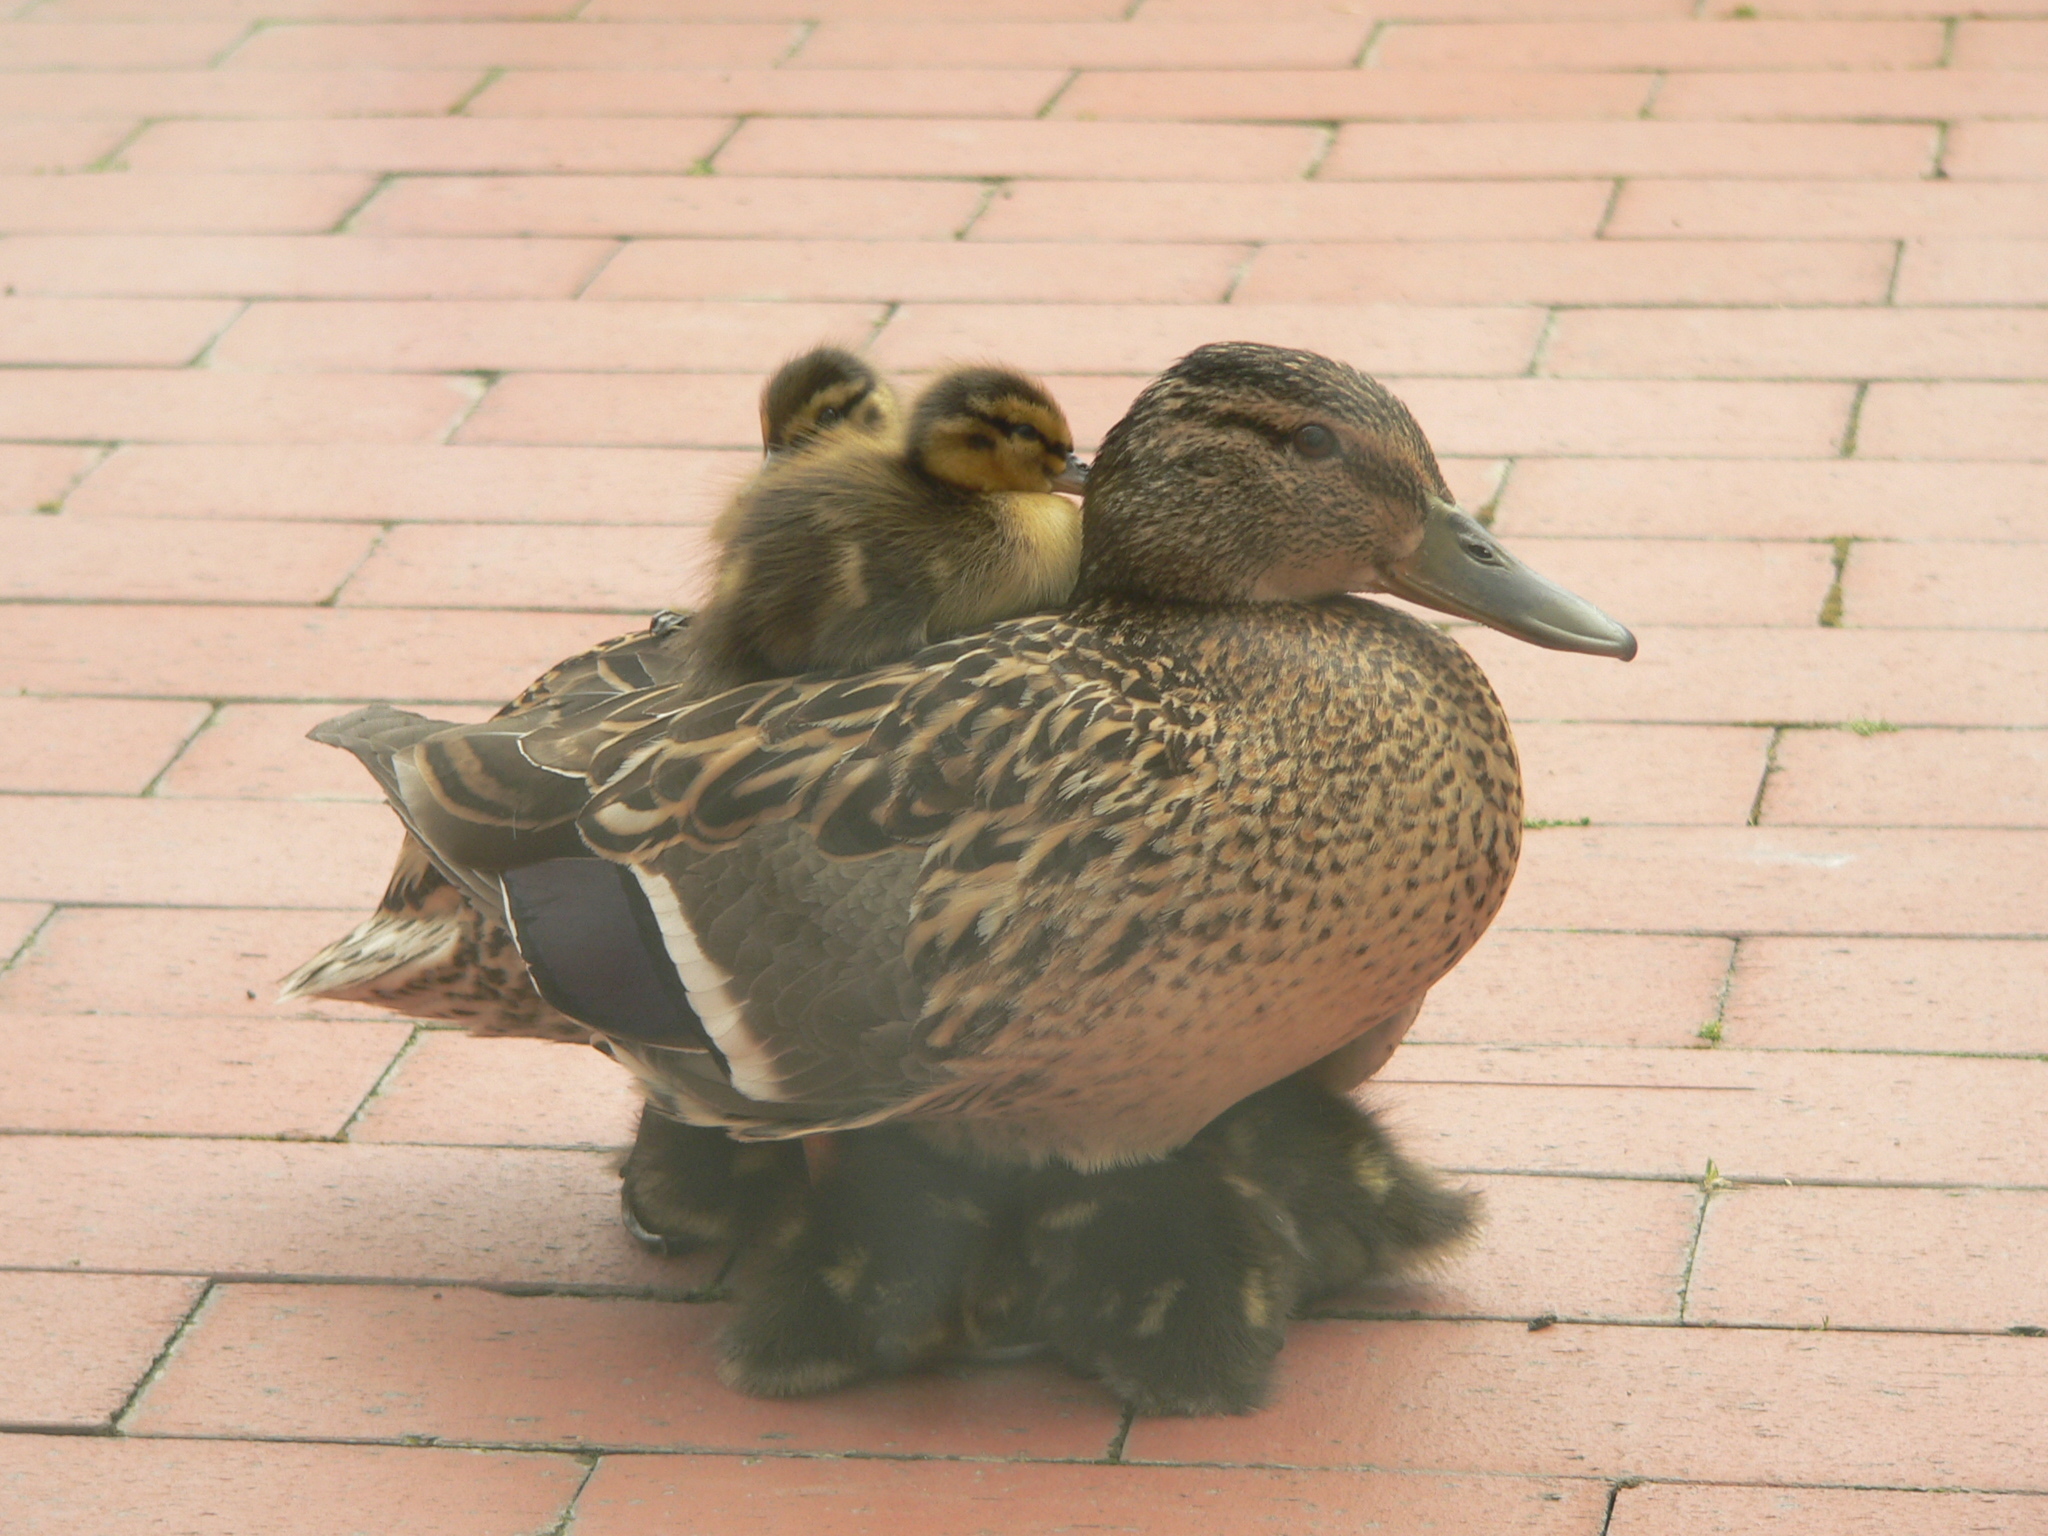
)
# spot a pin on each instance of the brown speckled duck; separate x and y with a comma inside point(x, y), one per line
point(1056, 906)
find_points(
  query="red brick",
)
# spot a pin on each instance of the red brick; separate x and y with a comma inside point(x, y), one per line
point(18, 920)
point(200, 405)
point(1780, 879)
point(101, 848)
point(122, 1487)
point(1336, 95)
point(454, 1088)
point(260, 752)
point(1521, 988)
point(1687, 1403)
point(1974, 272)
point(303, 266)
point(1726, 583)
point(1892, 7)
point(864, 10)
point(493, 1216)
point(1326, 42)
point(222, 652)
point(1669, 774)
point(1962, 586)
point(468, 1365)
point(902, 271)
point(136, 204)
point(1820, 210)
point(415, 483)
point(1649, 418)
point(1887, 995)
point(1946, 94)
point(73, 1347)
point(702, 410)
point(427, 144)
point(91, 746)
point(1692, 498)
point(319, 10)
point(1798, 343)
point(298, 1079)
point(1575, 272)
point(1298, 210)
point(1913, 778)
point(1672, 45)
point(631, 571)
point(35, 477)
point(156, 560)
point(1871, 1258)
point(169, 332)
point(1607, 1249)
point(131, 94)
point(1693, 1510)
point(1374, 151)
point(1036, 150)
point(514, 45)
point(168, 962)
point(1766, 1116)
point(1091, 338)
point(704, 207)
point(440, 336)
point(1953, 421)
point(1997, 151)
point(773, 92)
point(44, 147)
point(46, 44)
point(1181, 10)
point(2001, 45)
point(641, 1495)
point(1908, 677)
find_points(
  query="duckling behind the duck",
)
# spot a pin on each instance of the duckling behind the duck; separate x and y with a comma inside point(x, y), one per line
point(859, 551)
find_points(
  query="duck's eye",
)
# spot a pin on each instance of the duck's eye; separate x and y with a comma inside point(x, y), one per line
point(1314, 441)
point(1025, 430)
point(831, 416)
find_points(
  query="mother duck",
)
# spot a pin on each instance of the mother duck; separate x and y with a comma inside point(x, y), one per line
point(1062, 893)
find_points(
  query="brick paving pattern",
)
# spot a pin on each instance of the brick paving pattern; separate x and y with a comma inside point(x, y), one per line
point(391, 349)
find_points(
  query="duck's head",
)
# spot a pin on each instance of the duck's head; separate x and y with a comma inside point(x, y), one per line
point(991, 429)
point(824, 390)
point(1248, 473)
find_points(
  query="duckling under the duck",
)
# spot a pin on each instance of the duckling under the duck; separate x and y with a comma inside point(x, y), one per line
point(861, 550)
point(1060, 894)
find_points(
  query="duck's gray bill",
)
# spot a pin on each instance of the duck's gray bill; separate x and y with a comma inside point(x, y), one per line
point(1073, 478)
point(1463, 569)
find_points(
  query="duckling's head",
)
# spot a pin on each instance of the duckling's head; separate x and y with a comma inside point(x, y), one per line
point(1249, 473)
point(824, 390)
point(991, 429)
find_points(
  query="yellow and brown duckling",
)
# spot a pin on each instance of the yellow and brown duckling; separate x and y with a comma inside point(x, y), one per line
point(861, 549)
point(825, 390)
point(1059, 895)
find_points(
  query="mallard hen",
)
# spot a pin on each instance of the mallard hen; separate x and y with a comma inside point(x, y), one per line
point(1062, 893)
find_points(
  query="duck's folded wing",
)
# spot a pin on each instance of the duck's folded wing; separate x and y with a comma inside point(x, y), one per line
point(851, 878)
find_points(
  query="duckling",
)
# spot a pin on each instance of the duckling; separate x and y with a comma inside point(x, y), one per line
point(1054, 897)
point(826, 389)
point(860, 551)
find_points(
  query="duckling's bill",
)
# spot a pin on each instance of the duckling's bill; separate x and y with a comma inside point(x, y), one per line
point(1461, 568)
point(1074, 478)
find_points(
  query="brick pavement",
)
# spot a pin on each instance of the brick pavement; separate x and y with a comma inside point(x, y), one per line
point(362, 349)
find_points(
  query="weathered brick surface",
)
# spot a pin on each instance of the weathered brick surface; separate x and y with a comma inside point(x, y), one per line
point(362, 350)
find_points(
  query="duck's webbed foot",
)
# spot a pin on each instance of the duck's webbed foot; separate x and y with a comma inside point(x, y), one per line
point(865, 1278)
point(686, 1187)
point(1362, 1211)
